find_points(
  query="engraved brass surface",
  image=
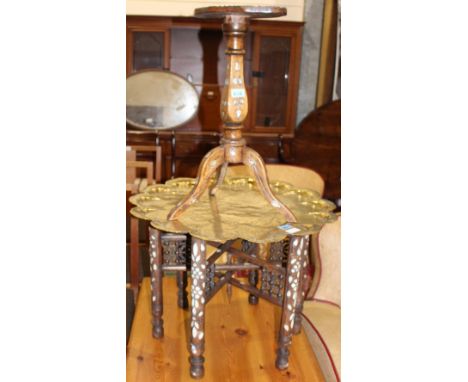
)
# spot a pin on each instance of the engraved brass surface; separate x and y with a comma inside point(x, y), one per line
point(238, 210)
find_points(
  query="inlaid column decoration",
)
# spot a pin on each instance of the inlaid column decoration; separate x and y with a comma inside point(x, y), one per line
point(197, 324)
point(303, 283)
point(156, 261)
point(291, 299)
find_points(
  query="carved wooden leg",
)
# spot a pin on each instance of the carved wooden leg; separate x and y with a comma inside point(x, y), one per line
point(208, 167)
point(156, 260)
point(182, 296)
point(253, 160)
point(134, 257)
point(253, 279)
point(197, 340)
point(303, 282)
point(291, 297)
point(221, 176)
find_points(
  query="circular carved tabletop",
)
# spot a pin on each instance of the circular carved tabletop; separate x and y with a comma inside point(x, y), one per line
point(255, 12)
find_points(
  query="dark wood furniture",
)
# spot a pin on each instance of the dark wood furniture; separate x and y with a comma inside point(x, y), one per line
point(213, 227)
point(283, 279)
point(194, 48)
point(317, 145)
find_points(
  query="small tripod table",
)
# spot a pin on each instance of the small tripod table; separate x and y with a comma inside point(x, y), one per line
point(237, 211)
point(234, 108)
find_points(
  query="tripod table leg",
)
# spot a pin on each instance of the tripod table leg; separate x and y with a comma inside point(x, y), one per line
point(253, 160)
point(208, 167)
point(221, 176)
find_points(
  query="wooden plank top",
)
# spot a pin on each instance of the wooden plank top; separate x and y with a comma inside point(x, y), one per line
point(240, 342)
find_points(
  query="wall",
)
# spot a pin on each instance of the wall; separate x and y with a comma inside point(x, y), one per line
point(186, 7)
point(311, 40)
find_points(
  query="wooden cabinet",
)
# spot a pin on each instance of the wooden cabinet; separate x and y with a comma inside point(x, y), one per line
point(194, 49)
point(317, 145)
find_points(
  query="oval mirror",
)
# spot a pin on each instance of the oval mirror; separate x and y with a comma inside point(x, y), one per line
point(158, 100)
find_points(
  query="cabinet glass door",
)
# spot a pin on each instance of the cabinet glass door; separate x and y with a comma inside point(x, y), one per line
point(148, 50)
point(272, 81)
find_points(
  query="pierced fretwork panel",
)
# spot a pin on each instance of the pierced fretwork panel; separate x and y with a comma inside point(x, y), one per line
point(272, 283)
point(176, 249)
point(278, 253)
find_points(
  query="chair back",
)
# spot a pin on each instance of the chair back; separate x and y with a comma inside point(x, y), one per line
point(300, 177)
point(134, 182)
point(131, 171)
point(156, 151)
point(326, 283)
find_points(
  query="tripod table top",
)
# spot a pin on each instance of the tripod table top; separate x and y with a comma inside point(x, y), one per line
point(255, 12)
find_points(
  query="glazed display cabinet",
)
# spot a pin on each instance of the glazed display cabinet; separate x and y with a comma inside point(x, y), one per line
point(194, 49)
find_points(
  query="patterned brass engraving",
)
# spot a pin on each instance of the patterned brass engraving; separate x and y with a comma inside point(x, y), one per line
point(238, 210)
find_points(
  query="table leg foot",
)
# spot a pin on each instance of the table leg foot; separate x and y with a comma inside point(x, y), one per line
point(197, 370)
point(282, 358)
point(158, 329)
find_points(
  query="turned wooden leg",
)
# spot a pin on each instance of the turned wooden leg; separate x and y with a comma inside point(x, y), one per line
point(303, 282)
point(197, 335)
point(291, 298)
point(208, 167)
point(156, 261)
point(221, 176)
point(253, 279)
point(182, 295)
point(253, 160)
point(134, 257)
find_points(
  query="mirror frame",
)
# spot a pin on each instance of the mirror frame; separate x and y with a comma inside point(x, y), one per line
point(144, 127)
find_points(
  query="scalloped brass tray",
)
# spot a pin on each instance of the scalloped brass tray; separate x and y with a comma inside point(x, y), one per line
point(237, 211)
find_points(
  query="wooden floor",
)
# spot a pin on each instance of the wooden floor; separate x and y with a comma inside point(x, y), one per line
point(240, 342)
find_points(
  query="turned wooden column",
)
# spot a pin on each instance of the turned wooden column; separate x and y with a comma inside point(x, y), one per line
point(234, 103)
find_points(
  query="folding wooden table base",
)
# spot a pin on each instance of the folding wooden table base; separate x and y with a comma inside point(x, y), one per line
point(278, 284)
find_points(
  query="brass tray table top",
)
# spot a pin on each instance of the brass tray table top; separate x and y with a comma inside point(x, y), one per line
point(238, 210)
